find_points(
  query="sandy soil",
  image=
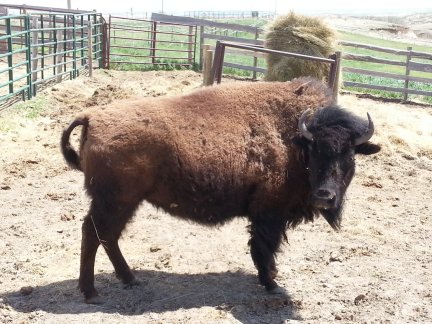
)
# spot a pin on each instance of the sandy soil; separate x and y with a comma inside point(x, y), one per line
point(377, 269)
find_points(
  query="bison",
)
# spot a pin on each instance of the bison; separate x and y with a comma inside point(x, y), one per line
point(277, 153)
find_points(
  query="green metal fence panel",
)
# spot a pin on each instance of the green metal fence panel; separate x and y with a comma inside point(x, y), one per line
point(13, 66)
point(43, 48)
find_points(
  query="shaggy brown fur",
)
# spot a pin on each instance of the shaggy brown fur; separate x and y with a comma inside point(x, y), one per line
point(214, 154)
point(200, 156)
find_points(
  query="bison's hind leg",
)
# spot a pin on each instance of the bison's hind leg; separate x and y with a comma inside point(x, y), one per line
point(266, 238)
point(103, 225)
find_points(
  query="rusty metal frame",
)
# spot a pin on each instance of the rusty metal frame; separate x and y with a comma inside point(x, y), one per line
point(218, 61)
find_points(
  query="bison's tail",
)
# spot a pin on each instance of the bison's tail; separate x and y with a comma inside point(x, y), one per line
point(70, 155)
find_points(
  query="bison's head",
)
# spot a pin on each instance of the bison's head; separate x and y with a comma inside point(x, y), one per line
point(329, 140)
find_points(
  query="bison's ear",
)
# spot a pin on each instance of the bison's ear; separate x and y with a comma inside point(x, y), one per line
point(367, 148)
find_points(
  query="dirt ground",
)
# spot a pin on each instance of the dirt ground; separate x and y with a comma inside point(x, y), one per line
point(376, 269)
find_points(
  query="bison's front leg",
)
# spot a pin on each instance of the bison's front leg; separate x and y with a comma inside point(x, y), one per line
point(266, 237)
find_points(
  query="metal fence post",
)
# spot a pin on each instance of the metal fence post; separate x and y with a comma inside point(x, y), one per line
point(34, 51)
point(82, 40)
point(74, 65)
point(43, 46)
point(9, 58)
point(28, 56)
point(59, 56)
point(90, 48)
point(108, 43)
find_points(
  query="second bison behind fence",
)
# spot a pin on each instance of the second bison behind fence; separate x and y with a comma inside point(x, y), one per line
point(237, 150)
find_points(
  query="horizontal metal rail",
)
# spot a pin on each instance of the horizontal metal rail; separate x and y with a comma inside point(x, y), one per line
point(147, 63)
point(218, 63)
point(156, 57)
point(151, 48)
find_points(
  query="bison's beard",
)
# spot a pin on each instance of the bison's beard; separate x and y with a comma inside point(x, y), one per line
point(333, 216)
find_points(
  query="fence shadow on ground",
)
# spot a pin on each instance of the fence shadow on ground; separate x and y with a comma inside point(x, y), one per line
point(234, 292)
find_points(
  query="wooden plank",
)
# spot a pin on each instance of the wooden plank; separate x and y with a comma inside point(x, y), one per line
point(244, 67)
point(375, 73)
point(422, 55)
point(422, 67)
point(371, 59)
point(387, 75)
point(386, 88)
point(234, 39)
point(374, 48)
point(202, 22)
point(415, 54)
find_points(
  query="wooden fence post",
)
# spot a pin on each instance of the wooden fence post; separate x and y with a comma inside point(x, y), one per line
point(255, 59)
point(407, 72)
point(153, 42)
point(201, 47)
point(90, 48)
point(207, 67)
point(334, 71)
point(338, 60)
point(190, 45)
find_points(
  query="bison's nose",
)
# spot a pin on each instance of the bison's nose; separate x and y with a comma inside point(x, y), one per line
point(324, 198)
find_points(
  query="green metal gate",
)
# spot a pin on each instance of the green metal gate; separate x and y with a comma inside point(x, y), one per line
point(44, 48)
point(15, 74)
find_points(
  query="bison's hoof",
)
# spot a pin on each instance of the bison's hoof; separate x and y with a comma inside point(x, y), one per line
point(95, 300)
point(131, 284)
point(278, 291)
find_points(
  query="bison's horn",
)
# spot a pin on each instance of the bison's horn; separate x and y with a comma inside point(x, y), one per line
point(302, 126)
point(366, 136)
